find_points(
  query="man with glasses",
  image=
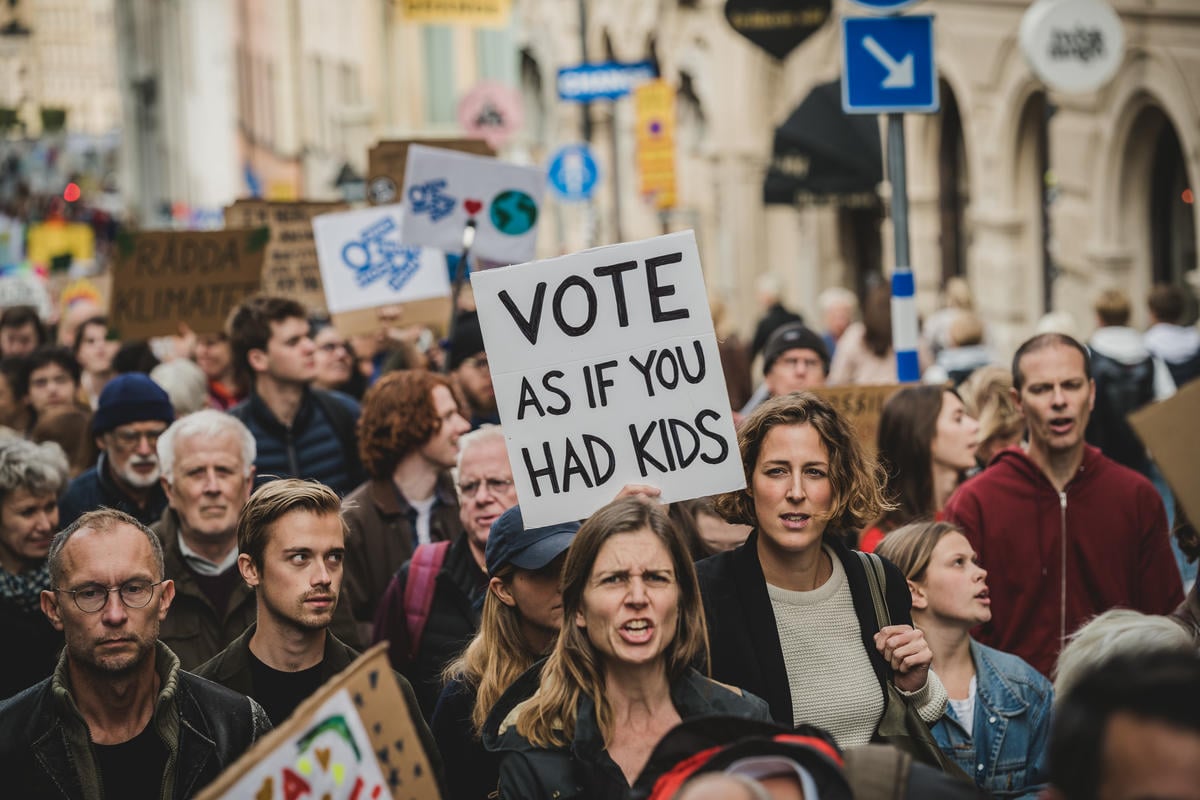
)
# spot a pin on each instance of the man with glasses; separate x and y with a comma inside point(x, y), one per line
point(133, 412)
point(118, 718)
point(301, 432)
point(455, 574)
point(467, 364)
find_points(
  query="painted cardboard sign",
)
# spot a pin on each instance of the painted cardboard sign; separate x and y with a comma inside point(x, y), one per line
point(290, 264)
point(387, 160)
point(162, 278)
point(364, 266)
point(606, 372)
point(352, 740)
point(861, 405)
point(445, 191)
point(1170, 433)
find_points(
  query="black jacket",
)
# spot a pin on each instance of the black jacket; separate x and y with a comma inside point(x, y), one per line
point(743, 637)
point(46, 750)
point(453, 620)
point(584, 769)
point(95, 488)
point(231, 669)
point(39, 645)
point(471, 771)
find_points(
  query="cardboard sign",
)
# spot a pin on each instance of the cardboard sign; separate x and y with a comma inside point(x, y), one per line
point(352, 740)
point(606, 372)
point(290, 265)
point(162, 278)
point(861, 405)
point(444, 191)
point(364, 267)
point(386, 162)
point(1169, 431)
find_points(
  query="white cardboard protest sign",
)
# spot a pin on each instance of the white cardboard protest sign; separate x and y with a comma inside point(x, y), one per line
point(606, 372)
point(444, 190)
point(364, 264)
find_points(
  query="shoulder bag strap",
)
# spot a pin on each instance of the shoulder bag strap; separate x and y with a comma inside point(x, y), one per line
point(877, 580)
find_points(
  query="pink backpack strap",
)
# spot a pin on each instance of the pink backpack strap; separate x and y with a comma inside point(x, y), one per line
point(426, 563)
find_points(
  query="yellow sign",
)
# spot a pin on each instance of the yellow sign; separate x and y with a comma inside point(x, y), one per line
point(490, 13)
point(655, 107)
point(50, 239)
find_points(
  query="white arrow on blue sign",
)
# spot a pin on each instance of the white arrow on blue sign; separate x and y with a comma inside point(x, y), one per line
point(573, 173)
point(610, 80)
point(888, 65)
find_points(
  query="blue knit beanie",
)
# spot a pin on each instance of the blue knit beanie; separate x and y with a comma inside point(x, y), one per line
point(131, 397)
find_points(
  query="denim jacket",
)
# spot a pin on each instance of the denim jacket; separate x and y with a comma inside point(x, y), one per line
point(1005, 747)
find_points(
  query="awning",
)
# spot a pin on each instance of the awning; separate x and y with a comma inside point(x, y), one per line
point(822, 153)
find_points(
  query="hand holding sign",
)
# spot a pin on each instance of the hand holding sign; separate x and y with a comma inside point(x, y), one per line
point(606, 373)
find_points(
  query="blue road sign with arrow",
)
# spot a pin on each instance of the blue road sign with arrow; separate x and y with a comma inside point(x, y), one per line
point(889, 65)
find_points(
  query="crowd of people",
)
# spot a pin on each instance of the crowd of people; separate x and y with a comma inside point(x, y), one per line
point(198, 533)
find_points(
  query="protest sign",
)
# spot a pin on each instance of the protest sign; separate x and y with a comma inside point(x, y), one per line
point(861, 405)
point(606, 372)
point(364, 267)
point(26, 289)
point(352, 740)
point(163, 278)
point(445, 191)
point(387, 160)
point(1169, 431)
point(72, 241)
point(290, 264)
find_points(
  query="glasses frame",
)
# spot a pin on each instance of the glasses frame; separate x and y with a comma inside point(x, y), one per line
point(494, 486)
point(109, 590)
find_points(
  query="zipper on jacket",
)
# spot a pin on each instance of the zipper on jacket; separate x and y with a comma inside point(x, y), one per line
point(1062, 609)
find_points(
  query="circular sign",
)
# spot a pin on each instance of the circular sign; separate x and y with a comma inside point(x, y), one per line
point(573, 172)
point(513, 212)
point(885, 6)
point(491, 111)
point(1073, 46)
point(382, 190)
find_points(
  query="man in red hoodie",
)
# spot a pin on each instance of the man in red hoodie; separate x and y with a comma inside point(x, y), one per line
point(1065, 533)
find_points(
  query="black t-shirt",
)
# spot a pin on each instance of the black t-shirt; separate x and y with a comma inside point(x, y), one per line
point(280, 692)
point(134, 769)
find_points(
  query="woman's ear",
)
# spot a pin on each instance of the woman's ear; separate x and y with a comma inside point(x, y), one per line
point(580, 620)
point(918, 595)
point(500, 589)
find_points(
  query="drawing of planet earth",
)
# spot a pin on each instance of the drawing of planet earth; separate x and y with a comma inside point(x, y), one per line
point(513, 212)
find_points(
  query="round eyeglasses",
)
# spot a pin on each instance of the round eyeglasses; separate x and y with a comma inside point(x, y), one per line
point(92, 597)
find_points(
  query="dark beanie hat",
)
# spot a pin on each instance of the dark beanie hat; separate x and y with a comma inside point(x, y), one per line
point(131, 397)
point(467, 340)
point(794, 336)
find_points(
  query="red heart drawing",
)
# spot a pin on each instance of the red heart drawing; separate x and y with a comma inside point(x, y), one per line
point(472, 206)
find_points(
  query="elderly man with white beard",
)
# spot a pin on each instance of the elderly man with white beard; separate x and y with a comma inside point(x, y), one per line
point(132, 413)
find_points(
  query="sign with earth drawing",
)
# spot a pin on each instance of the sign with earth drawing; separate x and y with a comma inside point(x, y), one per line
point(445, 191)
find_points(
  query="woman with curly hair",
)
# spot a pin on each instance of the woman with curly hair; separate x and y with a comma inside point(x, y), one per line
point(781, 608)
point(988, 397)
point(620, 675)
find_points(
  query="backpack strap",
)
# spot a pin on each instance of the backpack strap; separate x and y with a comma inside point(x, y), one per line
point(877, 772)
point(423, 570)
point(877, 580)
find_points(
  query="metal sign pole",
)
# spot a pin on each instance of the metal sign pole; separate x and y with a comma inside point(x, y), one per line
point(904, 301)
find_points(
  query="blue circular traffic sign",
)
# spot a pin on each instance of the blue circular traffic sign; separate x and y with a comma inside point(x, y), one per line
point(885, 6)
point(573, 172)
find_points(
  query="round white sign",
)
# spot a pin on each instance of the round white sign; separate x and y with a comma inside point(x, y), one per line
point(1073, 46)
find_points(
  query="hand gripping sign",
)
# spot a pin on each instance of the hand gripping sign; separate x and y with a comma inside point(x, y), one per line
point(606, 372)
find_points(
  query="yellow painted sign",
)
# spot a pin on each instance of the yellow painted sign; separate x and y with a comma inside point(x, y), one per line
point(654, 103)
point(490, 13)
point(50, 239)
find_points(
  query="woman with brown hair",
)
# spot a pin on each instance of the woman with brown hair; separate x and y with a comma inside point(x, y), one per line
point(926, 443)
point(779, 608)
point(620, 674)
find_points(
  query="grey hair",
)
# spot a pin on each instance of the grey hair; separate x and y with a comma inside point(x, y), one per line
point(484, 433)
point(37, 468)
point(837, 296)
point(102, 520)
point(208, 424)
point(1116, 632)
point(185, 384)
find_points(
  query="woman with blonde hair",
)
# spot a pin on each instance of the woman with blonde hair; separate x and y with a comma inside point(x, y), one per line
point(790, 612)
point(987, 396)
point(620, 674)
point(998, 723)
point(521, 617)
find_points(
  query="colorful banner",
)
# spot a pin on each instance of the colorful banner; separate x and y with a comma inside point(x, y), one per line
point(655, 106)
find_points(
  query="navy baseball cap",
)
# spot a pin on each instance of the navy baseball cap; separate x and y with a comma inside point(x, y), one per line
point(509, 542)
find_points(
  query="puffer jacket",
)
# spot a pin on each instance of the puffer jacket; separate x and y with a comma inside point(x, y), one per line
point(46, 749)
point(584, 769)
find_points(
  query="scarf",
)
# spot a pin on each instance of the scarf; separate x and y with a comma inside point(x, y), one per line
point(25, 588)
